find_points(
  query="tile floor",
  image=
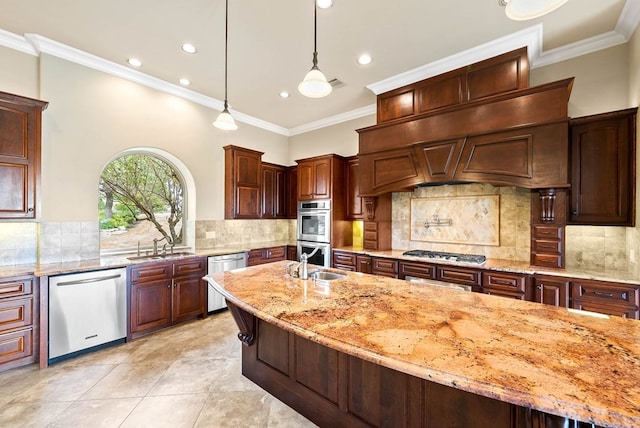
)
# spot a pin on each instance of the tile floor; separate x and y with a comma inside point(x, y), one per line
point(186, 376)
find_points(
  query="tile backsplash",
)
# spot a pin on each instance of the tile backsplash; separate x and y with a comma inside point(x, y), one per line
point(217, 233)
point(18, 243)
point(69, 241)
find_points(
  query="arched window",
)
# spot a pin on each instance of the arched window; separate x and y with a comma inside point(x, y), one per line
point(141, 200)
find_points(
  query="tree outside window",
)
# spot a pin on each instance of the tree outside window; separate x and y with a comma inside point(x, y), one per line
point(141, 198)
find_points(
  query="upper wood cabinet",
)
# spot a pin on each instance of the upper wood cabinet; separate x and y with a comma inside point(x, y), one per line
point(316, 177)
point(470, 83)
point(353, 204)
point(274, 191)
point(603, 176)
point(20, 137)
point(243, 180)
point(292, 192)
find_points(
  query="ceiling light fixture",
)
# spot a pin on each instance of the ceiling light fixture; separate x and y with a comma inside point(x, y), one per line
point(522, 10)
point(184, 81)
point(324, 4)
point(315, 85)
point(284, 94)
point(225, 120)
point(189, 48)
point(364, 59)
point(134, 62)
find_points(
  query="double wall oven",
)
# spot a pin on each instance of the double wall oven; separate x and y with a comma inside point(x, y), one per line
point(314, 231)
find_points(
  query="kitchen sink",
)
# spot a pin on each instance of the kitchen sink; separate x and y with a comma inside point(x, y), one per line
point(326, 276)
point(161, 256)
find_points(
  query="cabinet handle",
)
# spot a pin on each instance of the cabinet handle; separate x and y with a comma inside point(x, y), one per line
point(574, 212)
point(539, 287)
point(601, 294)
point(30, 209)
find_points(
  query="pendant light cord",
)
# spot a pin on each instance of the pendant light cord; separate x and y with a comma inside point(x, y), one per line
point(315, 34)
point(226, 42)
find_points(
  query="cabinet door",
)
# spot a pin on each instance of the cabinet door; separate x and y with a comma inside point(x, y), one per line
point(322, 179)
point(187, 298)
point(268, 192)
point(505, 284)
point(552, 291)
point(243, 179)
point(292, 192)
point(385, 267)
point(20, 121)
point(602, 169)
point(305, 181)
point(150, 306)
point(354, 205)
point(280, 194)
point(363, 264)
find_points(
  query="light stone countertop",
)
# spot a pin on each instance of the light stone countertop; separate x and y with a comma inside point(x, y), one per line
point(552, 359)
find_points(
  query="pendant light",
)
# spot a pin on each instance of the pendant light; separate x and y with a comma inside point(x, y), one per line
point(315, 85)
point(225, 120)
point(522, 10)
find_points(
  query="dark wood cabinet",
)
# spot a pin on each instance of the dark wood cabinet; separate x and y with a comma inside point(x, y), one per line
point(274, 191)
point(292, 252)
point(344, 260)
point(364, 264)
point(316, 177)
point(243, 181)
point(258, 256)
point(19, 315)
point(384, 267)
point(551, 290)
point(166, 293)
point(416, 270)
point(506, 284)
point(292, 192)
point(606, 298)
point(459, 275)
point(603, 153)
point(354, 205)
point(20, 141)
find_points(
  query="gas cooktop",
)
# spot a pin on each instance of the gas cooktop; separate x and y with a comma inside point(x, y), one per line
point(452, 257)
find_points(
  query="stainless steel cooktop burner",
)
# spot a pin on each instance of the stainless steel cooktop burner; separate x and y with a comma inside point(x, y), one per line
point(453, 257)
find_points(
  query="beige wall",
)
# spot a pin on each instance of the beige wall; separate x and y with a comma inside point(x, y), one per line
point(633, 234)
point(93, 116)
point(18, 73)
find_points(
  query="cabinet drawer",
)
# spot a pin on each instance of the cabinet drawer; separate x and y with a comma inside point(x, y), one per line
point(16, 345)
point(385, 267)
point(504, 281)
point(16, 313)
point(254, 257)
point(275, 253)
point(605, 292)
point(150, 272)
point(17, 286)
point(195, 265)
point(344, 267)
point(419, 270)
point(547, 232)
point(459, 276)
point(547, 260)
point(547, 247)
point(614, 310)
point(344, 258)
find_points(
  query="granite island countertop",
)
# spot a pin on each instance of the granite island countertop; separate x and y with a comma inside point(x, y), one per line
point(555, 360)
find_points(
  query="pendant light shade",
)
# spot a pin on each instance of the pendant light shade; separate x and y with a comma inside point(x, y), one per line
point(522, 10)
point(315, 85)
point(225, 120)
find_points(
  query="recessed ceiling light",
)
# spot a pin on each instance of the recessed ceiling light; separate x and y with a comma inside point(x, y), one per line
point(189, 48)
point(324, 4)
point(184, 81)
point(284, 94)
point(134, 62)
point(364, 59)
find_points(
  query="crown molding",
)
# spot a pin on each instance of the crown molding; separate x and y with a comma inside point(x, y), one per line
point(334, 120)
point(583, 47)
point(16, 42)
point(42, 44)
point(530, 37)
point(629, 19)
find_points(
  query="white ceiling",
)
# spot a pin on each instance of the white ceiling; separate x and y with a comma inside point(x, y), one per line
point(271, 45)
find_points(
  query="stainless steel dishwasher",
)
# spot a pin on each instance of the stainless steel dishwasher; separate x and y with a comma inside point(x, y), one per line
point(86, 310)
point(223, 263)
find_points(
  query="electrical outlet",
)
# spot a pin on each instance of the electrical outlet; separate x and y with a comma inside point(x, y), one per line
point(211, 234)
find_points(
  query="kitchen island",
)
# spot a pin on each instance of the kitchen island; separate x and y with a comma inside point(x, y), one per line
point(366, 350)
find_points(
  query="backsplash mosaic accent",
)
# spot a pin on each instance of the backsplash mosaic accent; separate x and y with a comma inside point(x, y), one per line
point(456, 220)
point(513, 220)
point(18, 243)
point(249, 233)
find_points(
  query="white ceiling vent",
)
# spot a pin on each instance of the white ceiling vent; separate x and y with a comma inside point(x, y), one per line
point(335, 83)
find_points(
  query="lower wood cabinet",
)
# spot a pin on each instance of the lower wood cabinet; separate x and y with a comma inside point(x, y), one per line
point(506, 284)
point(352, 261)
point(551, 290)
point(166, 293)
point(18, 321)
point(384, 267)
point(292, 252)
point(606, 297)
point(260, 256)
point(417, 270)
point(458, 275)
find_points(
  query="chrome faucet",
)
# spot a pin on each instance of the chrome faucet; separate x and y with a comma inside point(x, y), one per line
point(155, 245)
point(302, 270)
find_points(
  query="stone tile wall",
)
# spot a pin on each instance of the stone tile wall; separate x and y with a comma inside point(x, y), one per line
point(18, 243)
point(69, 241)
point(249, 233)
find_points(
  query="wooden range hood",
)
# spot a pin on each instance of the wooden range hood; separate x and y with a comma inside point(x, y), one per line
point(487, 126)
